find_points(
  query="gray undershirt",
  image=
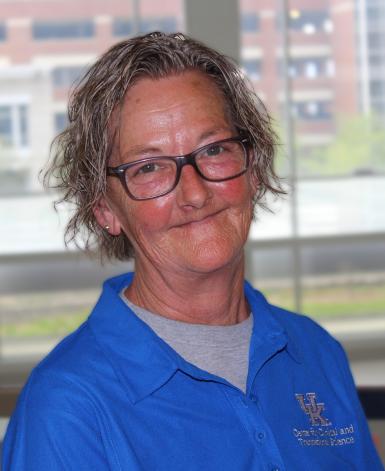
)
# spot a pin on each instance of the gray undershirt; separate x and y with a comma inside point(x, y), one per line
point(220, 350)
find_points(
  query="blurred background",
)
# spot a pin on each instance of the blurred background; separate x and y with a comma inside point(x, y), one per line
point(318, 65)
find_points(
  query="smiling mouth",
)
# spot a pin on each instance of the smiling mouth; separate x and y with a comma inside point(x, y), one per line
point(199, 221)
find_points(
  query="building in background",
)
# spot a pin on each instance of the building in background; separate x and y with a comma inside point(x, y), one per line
point(336, 67)
point(314, 53)
point(371, 37)
point(45, 47)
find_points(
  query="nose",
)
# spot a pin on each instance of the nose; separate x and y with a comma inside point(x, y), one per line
point(192, 190)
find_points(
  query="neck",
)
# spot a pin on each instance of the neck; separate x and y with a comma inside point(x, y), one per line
point(215, 298)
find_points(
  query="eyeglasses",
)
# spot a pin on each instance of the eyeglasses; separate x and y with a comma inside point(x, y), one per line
point(152, 177)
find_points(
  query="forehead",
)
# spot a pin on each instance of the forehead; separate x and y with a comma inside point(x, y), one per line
point(169, 111)
point(191, 83)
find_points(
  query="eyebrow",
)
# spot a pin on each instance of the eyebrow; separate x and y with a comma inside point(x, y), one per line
point(142, 150)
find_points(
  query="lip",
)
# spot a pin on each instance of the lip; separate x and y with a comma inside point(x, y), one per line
point(198, 221)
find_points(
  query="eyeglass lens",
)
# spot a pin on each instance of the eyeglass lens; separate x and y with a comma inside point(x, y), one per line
point(157, 176)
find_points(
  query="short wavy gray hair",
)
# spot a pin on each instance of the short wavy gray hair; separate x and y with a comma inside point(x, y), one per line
point(81, 152)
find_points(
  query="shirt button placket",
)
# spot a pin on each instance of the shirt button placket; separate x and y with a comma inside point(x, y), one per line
point(256, 426)
point(253, 398)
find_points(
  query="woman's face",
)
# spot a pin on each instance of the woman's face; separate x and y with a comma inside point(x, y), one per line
point(200, 226)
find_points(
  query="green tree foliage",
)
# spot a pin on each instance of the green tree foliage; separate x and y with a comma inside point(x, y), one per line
point(358, 147)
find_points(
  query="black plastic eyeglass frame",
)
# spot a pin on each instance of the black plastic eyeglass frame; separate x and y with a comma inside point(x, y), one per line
point(180, 161)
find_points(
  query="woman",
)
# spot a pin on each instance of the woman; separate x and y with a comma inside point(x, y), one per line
point(181, 365)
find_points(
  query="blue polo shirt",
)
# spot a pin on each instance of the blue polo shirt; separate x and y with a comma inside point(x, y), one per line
point(113, 395)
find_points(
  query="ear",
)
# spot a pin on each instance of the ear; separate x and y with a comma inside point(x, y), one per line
point(106, 218)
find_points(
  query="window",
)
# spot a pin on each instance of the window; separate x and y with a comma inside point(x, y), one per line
point(340, 179)
point(122, 27)
point(377, 60)
point(40, 298)
point(249, 22)
point(125, 26)
point(23, 125)
point(6, 134)
point(165, 24)
point(14, 148)
point(312, 110)
point(309, 67)
point(252, 68)
point(376, 40)
point(321, 250)
point(375, 12)
point(3, 32)
point(13, 126)
point(45, 30)
point(377, 88)
point(61, 121)
point(310, 21)
point(67, 76)
point(379, 107)
point(312, 69)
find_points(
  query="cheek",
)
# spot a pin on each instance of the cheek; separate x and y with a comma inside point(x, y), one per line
point(149, 216)
point(236, 192)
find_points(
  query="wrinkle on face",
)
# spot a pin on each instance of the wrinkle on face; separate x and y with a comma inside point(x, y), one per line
point(166, 116)
point(174, 116)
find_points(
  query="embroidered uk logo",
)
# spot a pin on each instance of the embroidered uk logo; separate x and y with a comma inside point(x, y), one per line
point(313, 409)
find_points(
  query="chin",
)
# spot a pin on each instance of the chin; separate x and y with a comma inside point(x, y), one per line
point(210, 259)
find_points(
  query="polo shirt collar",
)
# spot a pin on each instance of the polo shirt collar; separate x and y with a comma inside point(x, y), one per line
point(140, 359)
point(144, 363)
point(269, 334)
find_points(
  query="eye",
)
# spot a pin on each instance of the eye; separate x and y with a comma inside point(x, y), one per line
point(214, 150)
point(144, 172)
point(150, 167)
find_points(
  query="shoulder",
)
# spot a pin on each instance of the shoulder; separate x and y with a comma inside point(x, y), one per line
point(69, 374)
point(300, 325)
point(57, 410)
point(72, 355)
point(314, 345)
point(57, 405)
point(305, 335)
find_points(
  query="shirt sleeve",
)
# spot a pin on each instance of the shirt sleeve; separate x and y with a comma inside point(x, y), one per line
point(54, 427)
point(369, 455)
